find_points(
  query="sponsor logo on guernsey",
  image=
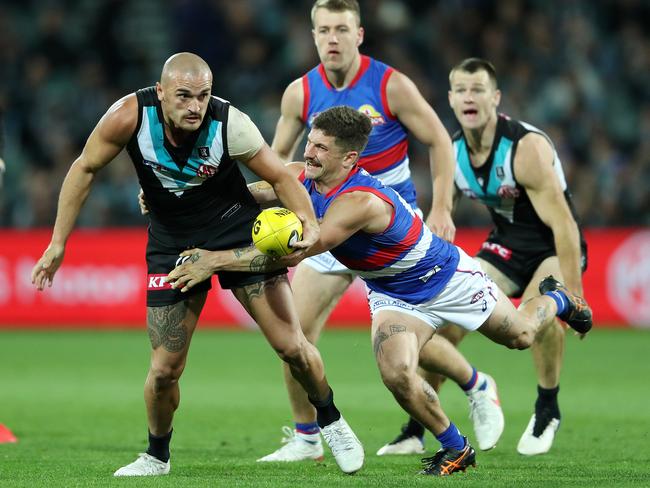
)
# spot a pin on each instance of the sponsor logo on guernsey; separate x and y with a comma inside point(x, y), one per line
point(206, 171)
point(375, 117)
point(156, 282)
point(497, 249)
point(508, 192)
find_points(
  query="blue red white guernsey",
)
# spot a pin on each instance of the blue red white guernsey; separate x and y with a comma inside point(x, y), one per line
point(385, 156)
point(406, 261)
point(517, 225)
point(194, 193)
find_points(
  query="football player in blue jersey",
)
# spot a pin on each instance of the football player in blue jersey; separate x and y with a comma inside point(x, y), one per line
point(416, 282)
point(395, 107)
point(185, 144)
point(513, 168)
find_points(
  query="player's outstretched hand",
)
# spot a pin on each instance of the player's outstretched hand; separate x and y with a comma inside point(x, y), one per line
point(46, 267)
point(442, 225)
point(191, 269)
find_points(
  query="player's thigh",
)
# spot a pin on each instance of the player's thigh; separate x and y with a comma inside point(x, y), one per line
point(315, 295)
point(453, 333)
point(270, 304)
point(506, 285)
point(397, 339)
point(170, 329)
point(550, 266)
point(506, 325)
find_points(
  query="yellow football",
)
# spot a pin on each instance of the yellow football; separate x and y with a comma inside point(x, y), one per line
point(275, 230)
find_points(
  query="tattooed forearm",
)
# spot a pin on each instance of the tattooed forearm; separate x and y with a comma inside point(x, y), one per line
point(262, 263)
point(166, 328)
point(429, 392)
point(243, 250)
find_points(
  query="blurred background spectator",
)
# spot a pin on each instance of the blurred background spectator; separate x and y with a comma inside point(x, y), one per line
point(577, 69)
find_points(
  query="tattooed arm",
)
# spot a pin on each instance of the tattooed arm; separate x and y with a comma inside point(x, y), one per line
point(201, 264)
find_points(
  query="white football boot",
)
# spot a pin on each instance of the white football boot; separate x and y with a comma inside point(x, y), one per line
point(297, 447)
point(145, 465)
point(402, 444)
point(486, 414)
point(346, 448)
point(531, 445)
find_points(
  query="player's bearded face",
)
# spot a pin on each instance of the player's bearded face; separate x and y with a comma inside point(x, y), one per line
point(337, 36)
point(185, 101)
point(473, 98)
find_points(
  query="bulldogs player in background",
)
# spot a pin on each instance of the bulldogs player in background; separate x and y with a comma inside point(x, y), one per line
point(416, 282)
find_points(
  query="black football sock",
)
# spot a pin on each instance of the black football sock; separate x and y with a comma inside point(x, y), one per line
point(413, 428)
point(326, 411)
point(546, 408)
point(159, 446)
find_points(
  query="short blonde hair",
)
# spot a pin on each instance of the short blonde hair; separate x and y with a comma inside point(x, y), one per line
point(337, 6)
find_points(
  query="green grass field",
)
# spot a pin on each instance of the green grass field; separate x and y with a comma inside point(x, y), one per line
point(74, 400)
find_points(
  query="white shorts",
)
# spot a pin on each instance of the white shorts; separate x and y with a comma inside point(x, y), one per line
point(467, 300)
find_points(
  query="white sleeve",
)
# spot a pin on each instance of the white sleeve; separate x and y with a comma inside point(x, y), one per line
point(244, 138)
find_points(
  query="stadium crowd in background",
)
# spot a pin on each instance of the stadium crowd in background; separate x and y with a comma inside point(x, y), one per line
point(580, 69)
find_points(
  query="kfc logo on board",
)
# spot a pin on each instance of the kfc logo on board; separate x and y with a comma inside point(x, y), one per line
point(628, 279)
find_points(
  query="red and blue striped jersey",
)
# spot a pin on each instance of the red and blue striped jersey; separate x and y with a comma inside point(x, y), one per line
point(385, 156)
point(405, 261)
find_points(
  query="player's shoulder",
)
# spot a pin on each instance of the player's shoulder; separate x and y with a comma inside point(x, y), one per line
point(121, 118)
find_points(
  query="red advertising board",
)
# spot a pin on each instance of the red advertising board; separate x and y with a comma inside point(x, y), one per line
point(103, 280)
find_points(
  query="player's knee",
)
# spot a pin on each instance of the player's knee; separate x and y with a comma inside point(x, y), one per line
point(398, 380)
point(293, 352)
point(164, 376)
point(522, 341)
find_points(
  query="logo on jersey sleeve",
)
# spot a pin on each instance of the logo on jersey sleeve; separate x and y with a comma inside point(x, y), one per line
point(375, 117)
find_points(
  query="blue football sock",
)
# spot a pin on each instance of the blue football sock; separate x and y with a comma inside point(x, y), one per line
point(472, 381)
point(560, 299)
point(309, 428)
point(451, 438)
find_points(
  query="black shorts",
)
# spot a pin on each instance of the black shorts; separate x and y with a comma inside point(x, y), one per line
point(519, 265)
point(162, 257)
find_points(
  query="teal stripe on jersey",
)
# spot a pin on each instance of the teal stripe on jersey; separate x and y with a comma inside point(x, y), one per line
point(205, 139)
point(499, 161)
point(466, 167)
point(156, 130)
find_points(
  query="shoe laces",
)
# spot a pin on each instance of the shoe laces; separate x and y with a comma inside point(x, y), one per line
point(478, 411)
point(289, 435)
point(345, 440)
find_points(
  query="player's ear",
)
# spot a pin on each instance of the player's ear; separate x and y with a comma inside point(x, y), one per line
point(350, 159)
point(497, 97)
point(360, 36)
point(159, 91)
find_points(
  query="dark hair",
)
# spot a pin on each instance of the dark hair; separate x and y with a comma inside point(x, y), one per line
point(472, 65)
point(348, 126)
point(337, 6)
